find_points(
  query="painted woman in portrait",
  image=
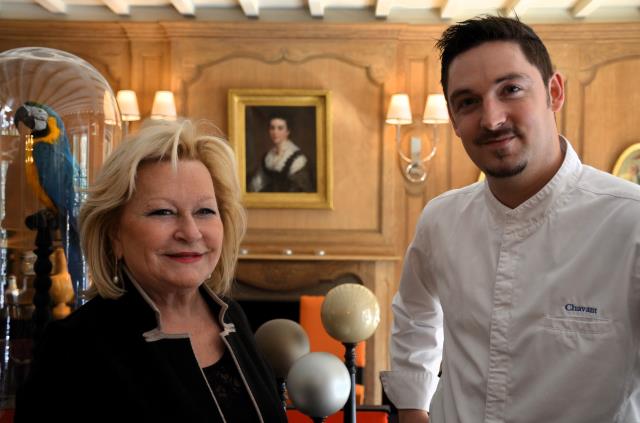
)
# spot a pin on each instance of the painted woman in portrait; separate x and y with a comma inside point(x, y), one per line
point(284, 168)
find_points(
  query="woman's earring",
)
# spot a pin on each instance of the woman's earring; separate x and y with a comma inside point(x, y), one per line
point(116, 279)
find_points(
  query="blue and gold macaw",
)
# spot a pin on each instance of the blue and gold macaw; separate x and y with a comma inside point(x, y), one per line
point(51, 171)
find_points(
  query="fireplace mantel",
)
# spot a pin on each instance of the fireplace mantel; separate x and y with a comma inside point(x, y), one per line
point(279, 274)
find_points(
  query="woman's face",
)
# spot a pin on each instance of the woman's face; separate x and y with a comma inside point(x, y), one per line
point(278, 131)
point(170, 232)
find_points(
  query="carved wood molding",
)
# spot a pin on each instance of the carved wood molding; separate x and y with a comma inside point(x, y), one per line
point(620, 31)
point(588, 74)
point(60, 30)
point(144, 31)
point(23, 29)
point(376, 72)
point(290, 31)
point(292, 275)
point(378, 242)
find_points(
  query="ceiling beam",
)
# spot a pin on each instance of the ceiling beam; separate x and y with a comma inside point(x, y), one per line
point(53, 6)
point(517, 7)
point(119, 7)
point(316, 7)
point(383, 8)
point(449, 9)
point(185, 7)
point(251, 8)
point(584, 8)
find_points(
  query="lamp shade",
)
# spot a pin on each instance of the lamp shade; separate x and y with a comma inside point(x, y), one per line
point(164, 106)
point(128, 104)
point(399, 111)
point(435, 110)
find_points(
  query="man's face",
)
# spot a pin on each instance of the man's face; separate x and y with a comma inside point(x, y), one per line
point(502, 111)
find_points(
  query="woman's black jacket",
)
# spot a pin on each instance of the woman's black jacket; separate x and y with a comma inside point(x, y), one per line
point(109, 362)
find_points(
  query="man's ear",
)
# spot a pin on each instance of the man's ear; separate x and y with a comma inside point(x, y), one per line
point(556, 92)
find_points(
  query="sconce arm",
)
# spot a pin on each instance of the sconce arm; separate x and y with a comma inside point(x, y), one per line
point(431, 154)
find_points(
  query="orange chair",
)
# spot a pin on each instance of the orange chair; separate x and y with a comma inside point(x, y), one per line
point(321, 341)
point(362, 416)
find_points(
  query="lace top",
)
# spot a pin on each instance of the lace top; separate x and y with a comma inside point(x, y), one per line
point(230, 391)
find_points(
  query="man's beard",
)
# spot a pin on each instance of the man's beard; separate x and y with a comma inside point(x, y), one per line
point(488, 136)
point(506, 173)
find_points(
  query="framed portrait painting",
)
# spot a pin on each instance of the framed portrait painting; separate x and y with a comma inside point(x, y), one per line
point(628, 164)
point(282, 141)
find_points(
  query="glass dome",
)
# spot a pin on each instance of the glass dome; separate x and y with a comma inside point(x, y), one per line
point(59, 120)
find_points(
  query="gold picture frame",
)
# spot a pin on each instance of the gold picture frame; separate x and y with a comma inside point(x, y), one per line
point(628, 164)
point(276, 172)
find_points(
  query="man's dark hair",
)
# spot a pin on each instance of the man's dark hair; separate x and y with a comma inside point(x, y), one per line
point(471, 33)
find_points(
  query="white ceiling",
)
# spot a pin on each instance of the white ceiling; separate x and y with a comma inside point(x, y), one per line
point(412, 11)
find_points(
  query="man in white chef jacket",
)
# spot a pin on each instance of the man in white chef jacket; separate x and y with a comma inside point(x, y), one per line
point(525, 285)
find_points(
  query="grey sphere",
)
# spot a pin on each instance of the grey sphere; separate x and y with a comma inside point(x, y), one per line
point(319, 384)
point(282, 342)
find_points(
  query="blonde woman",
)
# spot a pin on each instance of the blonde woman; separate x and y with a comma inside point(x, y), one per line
point(158, 341)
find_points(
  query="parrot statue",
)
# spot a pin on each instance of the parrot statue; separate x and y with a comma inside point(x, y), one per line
point(51, 171)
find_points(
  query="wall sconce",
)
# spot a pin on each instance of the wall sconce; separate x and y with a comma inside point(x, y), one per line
point(128, 104)
point(164, 106)
point(435, 113)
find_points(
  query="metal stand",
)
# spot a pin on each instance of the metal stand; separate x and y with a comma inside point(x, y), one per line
point(319, 419)
point(350, 361)
point(45, 223)
point(282, 388)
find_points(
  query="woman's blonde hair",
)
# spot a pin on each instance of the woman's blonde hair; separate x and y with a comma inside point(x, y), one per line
point(115, 184)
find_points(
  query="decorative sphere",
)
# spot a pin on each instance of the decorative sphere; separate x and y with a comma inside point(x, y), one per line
point(319, 384)
point(350, 313)
point(282, 342)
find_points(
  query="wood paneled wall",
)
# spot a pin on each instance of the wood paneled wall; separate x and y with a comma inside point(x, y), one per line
point(374, 212)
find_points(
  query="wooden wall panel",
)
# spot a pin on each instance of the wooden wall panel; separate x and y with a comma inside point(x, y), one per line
point(355, 72)
point(356, 139)
point(611, 111)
